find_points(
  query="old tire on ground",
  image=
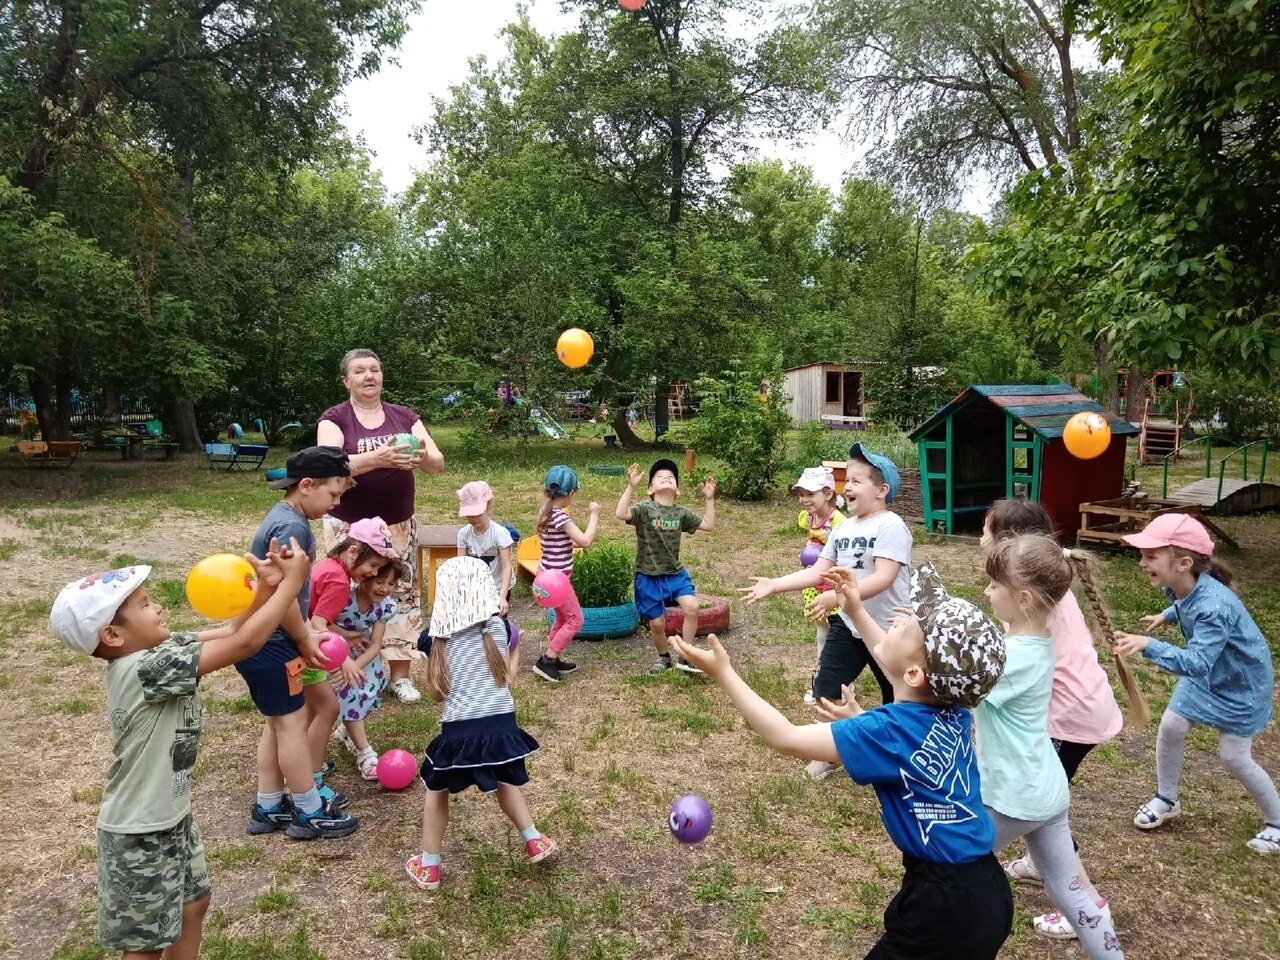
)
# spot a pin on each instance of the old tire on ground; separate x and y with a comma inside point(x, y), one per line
point(713, 616)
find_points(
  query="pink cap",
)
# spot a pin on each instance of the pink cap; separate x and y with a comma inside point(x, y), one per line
point(1173, 530)
point(473, 498)
point(374, 534)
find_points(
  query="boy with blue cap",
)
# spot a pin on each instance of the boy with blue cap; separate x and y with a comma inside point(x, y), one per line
point(876, 545)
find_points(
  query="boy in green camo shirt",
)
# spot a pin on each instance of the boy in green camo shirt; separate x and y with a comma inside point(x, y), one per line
point(153, 882)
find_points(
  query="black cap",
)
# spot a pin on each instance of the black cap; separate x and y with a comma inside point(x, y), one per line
point(318, 463)
point(664, 464)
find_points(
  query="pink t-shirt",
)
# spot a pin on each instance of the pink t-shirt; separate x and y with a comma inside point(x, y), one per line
point(330, 589)
point(1083, 707)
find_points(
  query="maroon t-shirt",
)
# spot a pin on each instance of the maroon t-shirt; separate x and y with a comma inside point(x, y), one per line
point(385, 493)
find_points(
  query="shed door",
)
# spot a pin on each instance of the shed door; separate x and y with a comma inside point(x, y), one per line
point(852, 395)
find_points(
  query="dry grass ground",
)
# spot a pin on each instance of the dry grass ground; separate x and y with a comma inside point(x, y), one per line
point(792, 867)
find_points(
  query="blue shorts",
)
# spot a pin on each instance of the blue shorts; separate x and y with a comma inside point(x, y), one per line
point(654, 594)
point(274, 677)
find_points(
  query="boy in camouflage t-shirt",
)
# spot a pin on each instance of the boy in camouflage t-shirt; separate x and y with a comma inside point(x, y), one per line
point(153, 883)
point(660, 577)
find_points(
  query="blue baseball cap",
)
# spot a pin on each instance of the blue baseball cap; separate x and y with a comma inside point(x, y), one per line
point(888, 469)
point(561, 480)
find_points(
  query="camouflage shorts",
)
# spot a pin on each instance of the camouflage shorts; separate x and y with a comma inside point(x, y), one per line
point(144, 880)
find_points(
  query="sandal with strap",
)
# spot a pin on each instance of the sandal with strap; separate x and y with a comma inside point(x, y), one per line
point(368, 766)
point(1055, 926)
point(1266, 840)
point(1023, 870)
point(1149, 815)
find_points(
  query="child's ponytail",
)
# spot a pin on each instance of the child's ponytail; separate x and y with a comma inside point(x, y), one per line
point(497, 662)
point(437, 671)
point(544, 511)
point(1080, 563)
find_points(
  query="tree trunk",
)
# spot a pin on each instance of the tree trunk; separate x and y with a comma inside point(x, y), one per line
point(183, 423)
point(622, 429)
point(661, 412)
point(62, 406)
point(1135, 389)
point(43, 397)
point(1106, 376)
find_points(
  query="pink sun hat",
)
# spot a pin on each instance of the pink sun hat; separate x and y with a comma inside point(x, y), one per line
point(473, 498)
point(374, 534)
point(1173, 530)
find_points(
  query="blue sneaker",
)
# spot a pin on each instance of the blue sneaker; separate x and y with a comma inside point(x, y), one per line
point(326, 823)
point(269, 821)
point(333, 798)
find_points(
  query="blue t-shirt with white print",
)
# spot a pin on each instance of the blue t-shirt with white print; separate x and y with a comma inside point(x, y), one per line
point(920, 760)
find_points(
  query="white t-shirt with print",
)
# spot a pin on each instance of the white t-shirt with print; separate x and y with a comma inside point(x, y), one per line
point(857, 542)
point(486, 545)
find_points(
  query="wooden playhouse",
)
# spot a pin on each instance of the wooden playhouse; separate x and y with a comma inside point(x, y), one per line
point(995, 441)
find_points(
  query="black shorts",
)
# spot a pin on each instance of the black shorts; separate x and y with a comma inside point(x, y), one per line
point(274, 677)
point(843, 658)
point(1070, 755)
point(947, 911)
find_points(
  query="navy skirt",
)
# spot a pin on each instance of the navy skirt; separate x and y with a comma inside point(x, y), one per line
point(480, 753)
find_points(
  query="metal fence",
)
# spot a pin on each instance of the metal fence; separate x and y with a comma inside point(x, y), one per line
point(84, 410)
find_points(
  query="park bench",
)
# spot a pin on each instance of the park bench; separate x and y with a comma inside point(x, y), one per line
point(49, 453)
point(230, 456)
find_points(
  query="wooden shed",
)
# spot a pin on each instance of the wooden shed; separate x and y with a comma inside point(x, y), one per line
point(1005, 440)
point(830, 392)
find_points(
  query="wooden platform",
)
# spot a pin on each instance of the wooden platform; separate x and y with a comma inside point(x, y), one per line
point(1106, 522)
point(1238, 496)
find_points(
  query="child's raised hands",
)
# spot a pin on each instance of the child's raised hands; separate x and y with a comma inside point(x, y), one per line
point(828, 710)
point(708, 488)
point(845, 586)
point(634, 476)
point(593, 508)
point(820, 607)
point(712, 661)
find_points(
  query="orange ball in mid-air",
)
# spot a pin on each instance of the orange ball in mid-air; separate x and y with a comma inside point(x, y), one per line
point(575, 347)
point(1087, 435)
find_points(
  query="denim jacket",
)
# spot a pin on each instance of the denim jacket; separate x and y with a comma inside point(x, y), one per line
point(1227, 679)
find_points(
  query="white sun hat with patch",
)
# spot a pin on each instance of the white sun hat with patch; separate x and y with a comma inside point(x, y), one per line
point(85, 606)
point(464, 596)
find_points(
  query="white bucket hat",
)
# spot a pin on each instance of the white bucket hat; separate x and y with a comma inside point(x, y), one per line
point(464, 596)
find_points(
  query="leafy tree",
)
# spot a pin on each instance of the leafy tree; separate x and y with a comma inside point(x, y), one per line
point(1163, 245)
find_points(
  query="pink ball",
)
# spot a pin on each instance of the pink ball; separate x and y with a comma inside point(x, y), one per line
point(551, 588)
point(396, 769)
point(333, 650)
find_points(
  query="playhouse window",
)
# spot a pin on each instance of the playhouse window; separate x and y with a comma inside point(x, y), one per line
point(833, 386)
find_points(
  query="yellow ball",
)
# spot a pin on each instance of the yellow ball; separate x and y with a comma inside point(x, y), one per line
point(221, 586)
point(575, 347)
point(1087, 435)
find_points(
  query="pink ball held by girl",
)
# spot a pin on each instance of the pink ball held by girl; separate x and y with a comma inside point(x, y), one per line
point(480, 744)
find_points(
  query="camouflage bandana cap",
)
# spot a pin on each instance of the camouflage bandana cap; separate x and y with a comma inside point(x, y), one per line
point(964, 648)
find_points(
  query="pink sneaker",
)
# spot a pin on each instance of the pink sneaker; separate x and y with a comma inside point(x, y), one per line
point(539, 848)
point(426, 876)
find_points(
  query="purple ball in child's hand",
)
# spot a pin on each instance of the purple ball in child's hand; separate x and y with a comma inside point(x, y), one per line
point(810, 554)
point(690, 819)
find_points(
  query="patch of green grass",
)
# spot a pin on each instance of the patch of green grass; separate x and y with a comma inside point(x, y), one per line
point(73, 707)
point(87, 794)
point(80, 853)
point(567, 815)
point(609, 948)
point(772, 683)
point(609, 907)
point(170, 594)
point(424, 950)
point(301, 865)
point(265, 946)
point(560, 944)
point(9, 549)
point(712, 884)
point(275, 900)
point(235, 855)
point(605, 729)
point(745, 910)
point(233, 705)
point(128, 560)
point(81, 950)
point(379, 881)
point(844, 925)
point(395, 920)
point(19, 616)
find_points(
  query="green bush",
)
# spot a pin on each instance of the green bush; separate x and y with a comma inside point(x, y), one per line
point(815, 443)
point(743, 428)
point(603, 574)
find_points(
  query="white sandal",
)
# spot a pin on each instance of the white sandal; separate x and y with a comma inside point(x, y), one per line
point(1149, 817)
point(368, 766)
point(1023, 870)
point(1055, 926)
point(1266, 840)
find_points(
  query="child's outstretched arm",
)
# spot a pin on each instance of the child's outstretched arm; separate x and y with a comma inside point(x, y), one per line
point(709, 514)
point(249, 637)
point(762, 587)
point(584, 538)
point(813, 741)
point(623, 509)
point(1208, 641)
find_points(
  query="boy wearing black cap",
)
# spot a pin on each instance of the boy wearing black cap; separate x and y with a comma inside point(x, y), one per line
point(660, 577)
point(314, 481)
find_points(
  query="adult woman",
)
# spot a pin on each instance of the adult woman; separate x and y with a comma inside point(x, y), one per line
point(366, 428)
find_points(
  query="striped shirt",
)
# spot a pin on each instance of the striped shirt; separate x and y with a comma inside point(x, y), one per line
point(557, 548)
point(472, 690)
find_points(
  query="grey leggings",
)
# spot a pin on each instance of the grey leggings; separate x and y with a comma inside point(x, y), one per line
point(1236, 754)
point(1050, 844)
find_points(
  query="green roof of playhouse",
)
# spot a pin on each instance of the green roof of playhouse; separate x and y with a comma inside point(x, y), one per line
point(1043, 408)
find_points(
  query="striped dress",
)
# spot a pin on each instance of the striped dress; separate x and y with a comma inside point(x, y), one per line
point(557, 548)
point(480, 745)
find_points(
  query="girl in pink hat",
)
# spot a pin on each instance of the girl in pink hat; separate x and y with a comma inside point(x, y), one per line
point(1226, 680)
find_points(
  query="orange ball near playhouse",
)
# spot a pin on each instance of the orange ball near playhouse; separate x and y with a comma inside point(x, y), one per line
point(632, 5)
point(575, 347)
point(221, 586)
point(1087, 435)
